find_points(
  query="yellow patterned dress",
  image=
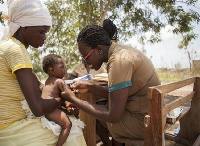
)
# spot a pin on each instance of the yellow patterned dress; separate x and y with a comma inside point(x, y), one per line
point(15, 128)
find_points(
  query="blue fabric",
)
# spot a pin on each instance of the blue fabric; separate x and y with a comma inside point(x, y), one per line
point(120, 86)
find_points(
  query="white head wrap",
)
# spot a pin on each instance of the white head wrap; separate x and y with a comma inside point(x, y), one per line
point(22, 13)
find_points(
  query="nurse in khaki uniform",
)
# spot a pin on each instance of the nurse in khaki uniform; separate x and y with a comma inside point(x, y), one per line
point(130, 73)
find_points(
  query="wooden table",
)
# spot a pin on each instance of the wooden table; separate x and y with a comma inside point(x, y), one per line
point(89, 131)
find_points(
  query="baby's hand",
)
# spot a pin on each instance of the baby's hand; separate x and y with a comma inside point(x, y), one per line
point(72, 109)
point(69, 104)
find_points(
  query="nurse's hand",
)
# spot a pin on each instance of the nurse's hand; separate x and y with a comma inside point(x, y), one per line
point(81, 86)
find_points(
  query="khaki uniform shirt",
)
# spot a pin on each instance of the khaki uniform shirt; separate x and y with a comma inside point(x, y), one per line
point(129, 67)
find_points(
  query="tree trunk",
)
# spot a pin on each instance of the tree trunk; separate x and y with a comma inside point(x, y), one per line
point(104, 12)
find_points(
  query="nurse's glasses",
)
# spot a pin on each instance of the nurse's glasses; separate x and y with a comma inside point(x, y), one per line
point(85, 58)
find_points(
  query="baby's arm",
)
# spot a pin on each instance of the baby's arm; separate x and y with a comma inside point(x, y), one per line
point(71, 108)
point(61, 85)
point(60, 118)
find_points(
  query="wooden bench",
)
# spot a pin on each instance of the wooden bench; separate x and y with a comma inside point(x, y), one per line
point(155, 120)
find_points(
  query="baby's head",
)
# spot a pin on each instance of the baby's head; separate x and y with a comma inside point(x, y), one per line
point(53, 65)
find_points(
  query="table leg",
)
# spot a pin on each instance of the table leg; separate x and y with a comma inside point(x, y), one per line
point(90, 129)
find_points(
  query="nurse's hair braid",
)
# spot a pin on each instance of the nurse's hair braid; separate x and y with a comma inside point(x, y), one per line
point(93, 35)
point(49, 61)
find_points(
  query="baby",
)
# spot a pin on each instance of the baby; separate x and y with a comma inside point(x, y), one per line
point(54, 66)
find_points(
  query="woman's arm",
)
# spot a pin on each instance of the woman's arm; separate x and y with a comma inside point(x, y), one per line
point(32, 93)
point(110, 113)
point(40, 84)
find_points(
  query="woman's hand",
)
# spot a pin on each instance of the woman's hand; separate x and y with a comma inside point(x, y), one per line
point(41, 86)
point(68, 94)
point(91, 86)
point(81, 86)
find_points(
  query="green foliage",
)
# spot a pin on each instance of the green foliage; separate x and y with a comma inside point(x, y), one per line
point(61, 39)
point(187, 38)
point(1, 20)
point(36, 56)
point(133, 18)
point(69, 17)
point(141, 16)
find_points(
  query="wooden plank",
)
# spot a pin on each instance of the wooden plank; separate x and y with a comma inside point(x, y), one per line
point(171, 86)
point(171, 122)
point(178, 139)
point(189, 124)
point(174, 104)
point(185, 110)
point(189, 120)
point(90, 129)
point(154, 131)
